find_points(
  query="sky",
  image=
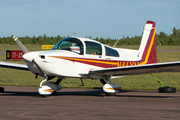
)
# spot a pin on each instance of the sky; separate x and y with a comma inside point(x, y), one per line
point(95, 18)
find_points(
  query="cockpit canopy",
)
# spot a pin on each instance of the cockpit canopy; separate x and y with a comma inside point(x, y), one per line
point(70, 44)
point(91, 47)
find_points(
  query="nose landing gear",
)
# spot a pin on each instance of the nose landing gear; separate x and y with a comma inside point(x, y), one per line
point(49, 88)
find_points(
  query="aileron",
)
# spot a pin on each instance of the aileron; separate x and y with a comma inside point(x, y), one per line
point(14, 66)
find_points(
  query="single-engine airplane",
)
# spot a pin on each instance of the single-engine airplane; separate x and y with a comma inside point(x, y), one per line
point(85, 58)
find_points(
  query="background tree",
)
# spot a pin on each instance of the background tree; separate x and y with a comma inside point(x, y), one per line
point(161, 39)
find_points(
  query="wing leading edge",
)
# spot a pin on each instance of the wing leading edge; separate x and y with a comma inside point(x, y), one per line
point(14, 66)
point(136, 70)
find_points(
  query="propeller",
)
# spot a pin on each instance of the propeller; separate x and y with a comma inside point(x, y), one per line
point(21, 46)
point(44, 75)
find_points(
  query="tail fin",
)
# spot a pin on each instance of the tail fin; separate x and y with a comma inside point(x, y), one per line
point(147, 49)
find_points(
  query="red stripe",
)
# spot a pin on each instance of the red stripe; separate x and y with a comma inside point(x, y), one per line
point(147, 44)
point(153, 49)
point(101, 63)
point(149, 22)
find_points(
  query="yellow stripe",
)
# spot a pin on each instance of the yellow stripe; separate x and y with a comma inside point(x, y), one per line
point(150, 47)
point(85, 60)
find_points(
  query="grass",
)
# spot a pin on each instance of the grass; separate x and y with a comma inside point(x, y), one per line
point(15, 47)
point(136, 82)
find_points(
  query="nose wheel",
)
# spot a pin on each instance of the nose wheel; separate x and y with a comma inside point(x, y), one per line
point(49, 88)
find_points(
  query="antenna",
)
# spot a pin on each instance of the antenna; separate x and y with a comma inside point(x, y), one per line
point(74, 33)
point(145, 28)
point(116, 42)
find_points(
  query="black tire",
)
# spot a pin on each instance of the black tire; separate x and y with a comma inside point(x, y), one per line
point(1, 90)
point(167, 90)
point(44, 96)
point(110, 94)
point(54, 93)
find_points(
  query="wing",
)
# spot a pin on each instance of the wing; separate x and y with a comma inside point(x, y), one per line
point(14, 66)
point(135, 70)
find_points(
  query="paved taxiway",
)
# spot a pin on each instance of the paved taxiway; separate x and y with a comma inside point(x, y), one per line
point(88, 104)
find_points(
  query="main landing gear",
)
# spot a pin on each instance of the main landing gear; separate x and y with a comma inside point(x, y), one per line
point(49, 88)
point(110, 88)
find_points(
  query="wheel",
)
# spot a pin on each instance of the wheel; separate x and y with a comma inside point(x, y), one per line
point(110, 94)
point(44, 96)
point(54, 93)
point(167, 90)
point(1, 90)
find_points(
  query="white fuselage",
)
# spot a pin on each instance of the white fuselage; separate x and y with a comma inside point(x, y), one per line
point(64, 63)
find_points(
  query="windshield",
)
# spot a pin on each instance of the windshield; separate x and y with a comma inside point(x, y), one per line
point(69, 44)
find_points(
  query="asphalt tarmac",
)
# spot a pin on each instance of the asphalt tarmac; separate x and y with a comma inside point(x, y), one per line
point(21, 103)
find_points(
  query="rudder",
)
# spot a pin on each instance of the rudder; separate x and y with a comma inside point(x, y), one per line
point(147, 49)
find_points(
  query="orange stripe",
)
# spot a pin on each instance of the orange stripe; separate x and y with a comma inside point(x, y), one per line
point(50, 90)
point(114, 88)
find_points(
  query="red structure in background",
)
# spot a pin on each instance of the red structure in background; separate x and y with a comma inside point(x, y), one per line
point(14, 54)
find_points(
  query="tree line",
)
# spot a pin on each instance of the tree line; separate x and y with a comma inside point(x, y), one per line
point(161, 39)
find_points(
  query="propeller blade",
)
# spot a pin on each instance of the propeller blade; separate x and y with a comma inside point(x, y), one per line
point(21, 46)
point(44, 75)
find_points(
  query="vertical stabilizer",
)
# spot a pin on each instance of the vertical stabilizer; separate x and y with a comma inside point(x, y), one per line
point(147, 49)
